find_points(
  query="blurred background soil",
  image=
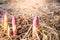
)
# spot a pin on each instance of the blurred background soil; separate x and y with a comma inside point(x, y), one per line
point(48, 12)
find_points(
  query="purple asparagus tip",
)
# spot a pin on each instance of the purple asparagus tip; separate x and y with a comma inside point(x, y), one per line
point(1, 11)
point(35, 21)
point(14, 20)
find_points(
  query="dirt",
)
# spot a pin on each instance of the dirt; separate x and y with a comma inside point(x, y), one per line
point(48, 12)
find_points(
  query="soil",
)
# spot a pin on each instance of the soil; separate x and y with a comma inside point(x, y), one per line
point(48, 12)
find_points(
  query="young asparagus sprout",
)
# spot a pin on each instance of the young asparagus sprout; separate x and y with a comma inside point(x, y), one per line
point(14, 26)
point(35, 26)
point(6, 26)
point(6, 22)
